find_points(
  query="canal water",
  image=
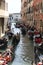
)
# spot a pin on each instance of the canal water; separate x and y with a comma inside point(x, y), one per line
point(24, 53)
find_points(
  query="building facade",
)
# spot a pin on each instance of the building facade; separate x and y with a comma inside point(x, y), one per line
point(38, 14)
point(3, 16)
point(23, 10)
point(32, 13)
point(27, 11)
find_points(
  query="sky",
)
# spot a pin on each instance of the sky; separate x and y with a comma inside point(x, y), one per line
point(14, 6)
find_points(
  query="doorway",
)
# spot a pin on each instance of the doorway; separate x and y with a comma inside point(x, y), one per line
point(2, 24)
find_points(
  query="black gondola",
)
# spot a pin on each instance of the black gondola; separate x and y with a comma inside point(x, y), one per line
point(3, 43)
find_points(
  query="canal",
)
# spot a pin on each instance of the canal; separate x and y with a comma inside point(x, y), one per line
point(24, 53)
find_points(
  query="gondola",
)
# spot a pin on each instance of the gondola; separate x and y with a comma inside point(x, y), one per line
point(3, 43)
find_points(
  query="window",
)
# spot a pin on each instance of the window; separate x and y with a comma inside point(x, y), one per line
point(29, 1)
point(41, 23)
point(42, 7)
point(35, 23)
point(21, 0)
point(0, 4)
point(24, 14)
point(21, 14)
point(30, 17)
point(25, 4)
point(3, 27)
point(31, 9)
point(12, 17)
point(28, 10)
point(2, 24)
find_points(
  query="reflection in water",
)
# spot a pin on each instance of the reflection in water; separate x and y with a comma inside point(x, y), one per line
point(24, 52)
